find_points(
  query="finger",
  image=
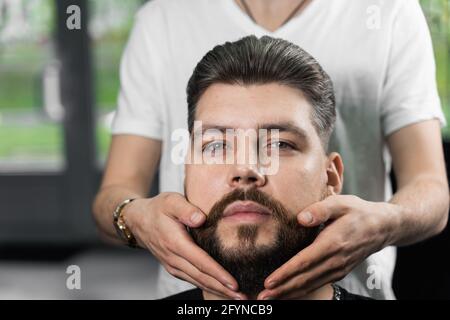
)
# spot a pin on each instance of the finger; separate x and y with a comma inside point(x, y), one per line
point(320, 250)
point(183, 276)
point(304, 283)
point(176, 206)
point(320, 212)
point(205, 281)
point(329, 277)
point(187, 249)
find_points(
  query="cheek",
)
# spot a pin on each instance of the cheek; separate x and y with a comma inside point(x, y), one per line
point(205, 184)
point(299, 184)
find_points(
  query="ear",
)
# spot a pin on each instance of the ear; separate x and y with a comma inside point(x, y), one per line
point(335, 173)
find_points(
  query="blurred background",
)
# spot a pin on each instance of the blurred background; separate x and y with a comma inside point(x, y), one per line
point(58, 91)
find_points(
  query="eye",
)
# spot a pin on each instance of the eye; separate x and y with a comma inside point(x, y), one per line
point(214, 146)
point(281, 145)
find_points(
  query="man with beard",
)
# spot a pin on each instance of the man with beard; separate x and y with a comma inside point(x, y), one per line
point(278, 90)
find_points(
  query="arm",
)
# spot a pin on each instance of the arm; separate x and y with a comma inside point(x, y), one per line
point(130, 169)
point(419, 208)
point(359, 228)
point(423, 195)
point(158, 223)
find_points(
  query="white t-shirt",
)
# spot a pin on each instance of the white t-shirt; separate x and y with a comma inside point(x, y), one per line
point(378, 54)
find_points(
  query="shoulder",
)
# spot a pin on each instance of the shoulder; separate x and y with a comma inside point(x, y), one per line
point(175, 8)
point(164, 18)
point(385, 10)
point(390, 6)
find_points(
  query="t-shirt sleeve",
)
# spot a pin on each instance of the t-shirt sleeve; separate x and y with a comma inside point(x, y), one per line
point(409, 93)
point(140, 102)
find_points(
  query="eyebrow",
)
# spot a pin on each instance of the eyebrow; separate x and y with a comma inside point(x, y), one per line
point(286, 126)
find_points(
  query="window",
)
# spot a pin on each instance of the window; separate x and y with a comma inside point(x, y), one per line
point(30, 108)
point(109, 27)
point(438, 17)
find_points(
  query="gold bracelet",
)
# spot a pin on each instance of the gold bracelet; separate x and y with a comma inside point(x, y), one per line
point(119, 223)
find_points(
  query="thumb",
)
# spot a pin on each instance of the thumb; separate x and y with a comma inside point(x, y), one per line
point(320, 212)
point(179, 208)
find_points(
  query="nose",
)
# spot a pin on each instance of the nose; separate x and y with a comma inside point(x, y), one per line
point(246, 177)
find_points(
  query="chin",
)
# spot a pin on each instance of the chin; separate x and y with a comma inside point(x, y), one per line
point(235, 243)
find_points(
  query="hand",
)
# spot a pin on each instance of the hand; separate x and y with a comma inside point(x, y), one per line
point(355, 229)
point(159, 225)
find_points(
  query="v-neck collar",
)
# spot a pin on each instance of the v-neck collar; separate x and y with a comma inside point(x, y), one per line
point(233, 9)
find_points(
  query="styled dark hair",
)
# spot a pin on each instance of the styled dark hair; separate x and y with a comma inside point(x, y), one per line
point(253, 60)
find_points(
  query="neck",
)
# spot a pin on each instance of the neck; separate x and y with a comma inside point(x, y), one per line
point(323, 293)
point(271, 14)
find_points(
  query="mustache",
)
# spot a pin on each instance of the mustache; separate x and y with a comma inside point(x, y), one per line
point(278, 211)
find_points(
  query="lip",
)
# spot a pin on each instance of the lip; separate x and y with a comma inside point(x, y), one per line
point(246, 211)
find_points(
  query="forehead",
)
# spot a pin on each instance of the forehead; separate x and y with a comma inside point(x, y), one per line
point(237, 106)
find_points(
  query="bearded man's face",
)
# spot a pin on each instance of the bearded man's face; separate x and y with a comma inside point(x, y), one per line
point(251, 227)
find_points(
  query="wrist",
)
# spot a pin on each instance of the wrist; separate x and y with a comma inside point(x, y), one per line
point(121, 225)
point(131, 214)
point(392, 222)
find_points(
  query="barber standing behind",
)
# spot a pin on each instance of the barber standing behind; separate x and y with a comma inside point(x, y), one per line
point(380, 58)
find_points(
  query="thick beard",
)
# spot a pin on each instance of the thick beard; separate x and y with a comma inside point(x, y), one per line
point(248, 263)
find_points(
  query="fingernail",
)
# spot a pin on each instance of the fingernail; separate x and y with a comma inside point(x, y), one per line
point(237, 298)
point(196, 217)
point(268, 298)
point(229, 285)
point(306, 217)
point(271, 284)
